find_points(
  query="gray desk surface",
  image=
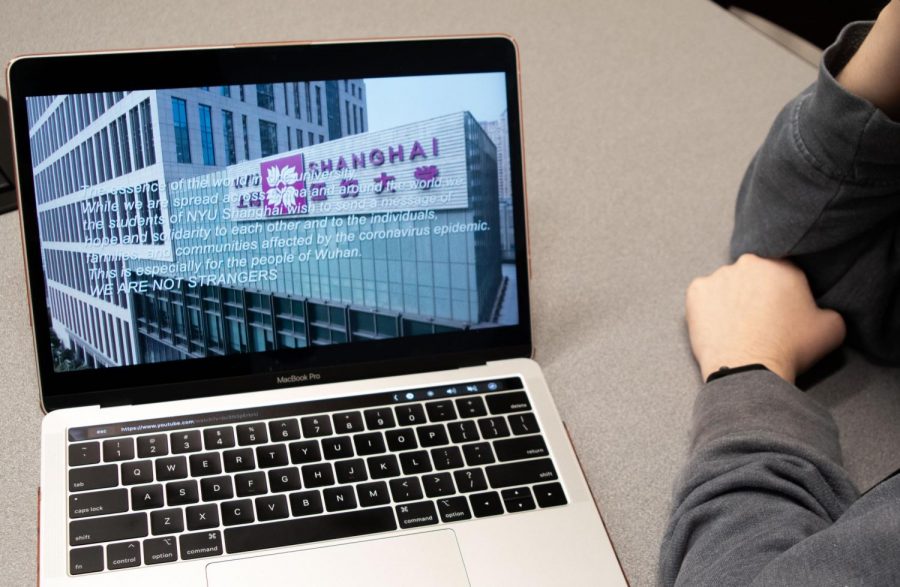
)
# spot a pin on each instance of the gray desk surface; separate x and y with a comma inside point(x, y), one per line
point(640, 118)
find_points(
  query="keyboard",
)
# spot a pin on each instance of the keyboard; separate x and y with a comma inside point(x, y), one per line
point(205, 485)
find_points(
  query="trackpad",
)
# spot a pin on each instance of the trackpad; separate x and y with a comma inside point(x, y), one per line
point(429, 558)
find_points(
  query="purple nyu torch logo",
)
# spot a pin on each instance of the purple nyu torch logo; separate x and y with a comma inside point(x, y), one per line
point(282, 185)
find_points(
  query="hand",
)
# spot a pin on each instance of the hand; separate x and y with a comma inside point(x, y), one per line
point(759, 311)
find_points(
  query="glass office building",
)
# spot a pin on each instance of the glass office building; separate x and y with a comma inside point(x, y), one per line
point(108, 156)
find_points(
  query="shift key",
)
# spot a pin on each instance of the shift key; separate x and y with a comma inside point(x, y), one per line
point(108, 529)
point(521, 473)
point(98, 503)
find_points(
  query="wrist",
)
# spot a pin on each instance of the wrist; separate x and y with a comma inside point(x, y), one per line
point(776, 366)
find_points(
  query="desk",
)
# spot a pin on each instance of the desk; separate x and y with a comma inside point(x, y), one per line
point(640, 118)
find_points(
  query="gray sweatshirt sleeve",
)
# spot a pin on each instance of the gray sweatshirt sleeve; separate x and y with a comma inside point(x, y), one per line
point(824, 189)
point(764, 500)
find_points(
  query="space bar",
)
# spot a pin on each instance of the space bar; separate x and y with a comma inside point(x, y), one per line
point(303, 530)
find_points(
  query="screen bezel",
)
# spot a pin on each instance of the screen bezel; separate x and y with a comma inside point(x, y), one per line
point(69, 74)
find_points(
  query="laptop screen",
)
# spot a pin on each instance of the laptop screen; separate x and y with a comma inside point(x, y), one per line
point(273, 219)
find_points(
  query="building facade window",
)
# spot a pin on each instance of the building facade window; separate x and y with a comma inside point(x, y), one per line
point(246, 137)
point(228, 136)
point(147, 122)
point(308, 102)
point(299, 138)
point(268, 138)
point(182, 138)
point(243, 94)
point(265, 96)
point(319, 105)
point(206, 135)
point(297, 101)
point(226, 91)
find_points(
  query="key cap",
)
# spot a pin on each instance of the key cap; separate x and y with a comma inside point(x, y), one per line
point(348, 422)
point(237, 512)
point(317, 475)
point(252, 434)
point(413, 515)
point(382, 467)
point(406, 489)
point(506, 403)
point(403, 439)
point(369, 444)
point(214, 438)
point(160, 550)
point(550, 494)
point(471, 407)
point(107, 529)
point(430, 436)
point(86, 560)
point(410, 414)
point(171, 468)
point(271, 507)
point(98, 503)
point(147, 497)
point(118, 449)
point(271, 455)
point(486, 504)
point(89, 478)
point(185, 441)
point(247, 484)
point(438, 485)
point(287, 479)
point(284, 430)
point(85, 453)
point(440, 411)
point(137, 472)
point(182, 492)
point(415, 462)
point(453, 509)
point(350, 471)
point(338, 447)
point(517, 500)
point(447, 457)
point(339, 498)
point(521, 473)
point(305, 451)
point(154, 445)
point(493, 427)
point(204, 464)
point(214, 488)
point(306, 503)
point(239, 459)
point(304, 530)
point(166, 521)
point(521, 447)
point(314, 426)
point(123, 555)
point(200, 545)
point(470, 480)
point(372, 494)
point(379, 419)
point(479, 453)
point(463, 431)
point(201, 517)
point(523, 424)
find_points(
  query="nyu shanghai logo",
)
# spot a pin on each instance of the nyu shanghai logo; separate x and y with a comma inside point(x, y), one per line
point(282, 186)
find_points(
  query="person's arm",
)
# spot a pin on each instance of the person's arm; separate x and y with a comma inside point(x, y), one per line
point(873, 73)
point(824, 188)
point(765, 468)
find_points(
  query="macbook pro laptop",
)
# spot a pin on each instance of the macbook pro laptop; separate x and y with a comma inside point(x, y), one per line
point(281, 319)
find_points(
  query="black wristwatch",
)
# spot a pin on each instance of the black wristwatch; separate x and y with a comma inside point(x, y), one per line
point(726, 371)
